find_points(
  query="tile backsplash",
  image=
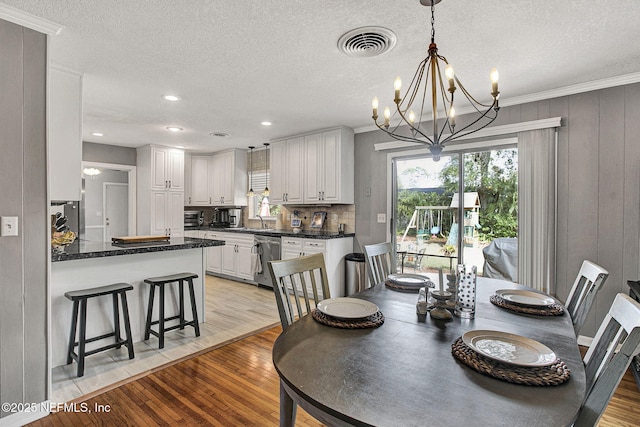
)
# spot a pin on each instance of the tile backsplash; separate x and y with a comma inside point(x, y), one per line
point(336, 214)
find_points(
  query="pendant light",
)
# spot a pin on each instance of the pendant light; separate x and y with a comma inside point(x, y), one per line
point(266, 191)
point(250, 193)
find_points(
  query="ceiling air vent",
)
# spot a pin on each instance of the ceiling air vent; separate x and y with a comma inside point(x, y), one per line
point(367, 41)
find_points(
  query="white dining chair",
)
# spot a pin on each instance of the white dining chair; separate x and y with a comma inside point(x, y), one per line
point(381, 261)
point(303, 278)
point(610, 354)
point(589, 281)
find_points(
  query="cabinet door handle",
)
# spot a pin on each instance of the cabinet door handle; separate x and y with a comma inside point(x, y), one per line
point(169, 183)
point(189, 200)
point(209, 200)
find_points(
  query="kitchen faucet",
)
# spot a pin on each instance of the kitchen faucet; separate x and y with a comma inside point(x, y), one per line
point(261, 221)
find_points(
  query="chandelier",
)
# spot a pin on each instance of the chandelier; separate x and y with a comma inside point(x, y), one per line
point(428, 81)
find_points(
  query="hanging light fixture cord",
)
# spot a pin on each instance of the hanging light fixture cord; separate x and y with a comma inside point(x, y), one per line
point(408, 125)
point(250, 193)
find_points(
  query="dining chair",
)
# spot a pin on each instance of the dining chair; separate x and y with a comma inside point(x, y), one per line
point(303, 278)
point(589, 281)
point(381, 261)
point(609, 356)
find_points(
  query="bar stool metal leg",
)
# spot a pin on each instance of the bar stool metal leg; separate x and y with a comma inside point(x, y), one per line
point(83, 336)
point(147, 329)
point(161, 319)
point(116, 319)
point(181, 292)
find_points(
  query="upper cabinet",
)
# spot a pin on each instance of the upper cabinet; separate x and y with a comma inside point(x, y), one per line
point(200, 195)
point(167, 168)
point(316, 168)
point(287, 163)
point(65, 134)
point(187, 179)
point(228, 178)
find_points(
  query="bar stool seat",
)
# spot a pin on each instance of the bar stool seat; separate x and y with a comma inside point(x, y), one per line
point(79, 320)
point(160, 282)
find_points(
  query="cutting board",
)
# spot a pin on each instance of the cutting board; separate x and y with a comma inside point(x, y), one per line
point(139, 239)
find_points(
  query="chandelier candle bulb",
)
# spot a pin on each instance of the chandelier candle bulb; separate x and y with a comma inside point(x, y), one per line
point(452, 116)
point(397, 85)
point(374, 104)
point(494, 82)
point(412, 117)
point(387, 116)
point(448, 71)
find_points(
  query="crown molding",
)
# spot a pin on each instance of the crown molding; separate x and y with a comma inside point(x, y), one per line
point(624, 79)
point(20, 17)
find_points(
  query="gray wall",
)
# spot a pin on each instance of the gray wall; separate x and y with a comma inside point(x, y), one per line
point(23, 259)
point(598, 186)
point(103, 153)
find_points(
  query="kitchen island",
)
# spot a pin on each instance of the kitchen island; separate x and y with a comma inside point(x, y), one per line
point(90, 264)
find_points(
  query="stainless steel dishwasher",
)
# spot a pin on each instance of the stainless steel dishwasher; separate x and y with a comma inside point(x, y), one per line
point(268, 249)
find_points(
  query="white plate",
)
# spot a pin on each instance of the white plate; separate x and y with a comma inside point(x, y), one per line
point(347, 308)
point(509, 348)
point(528, 298)
point(408, 279)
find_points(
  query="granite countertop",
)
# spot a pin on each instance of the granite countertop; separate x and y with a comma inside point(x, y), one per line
point(305, 234)
point(85, 249)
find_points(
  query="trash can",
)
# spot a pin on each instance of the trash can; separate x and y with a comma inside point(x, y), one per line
point(355, 274)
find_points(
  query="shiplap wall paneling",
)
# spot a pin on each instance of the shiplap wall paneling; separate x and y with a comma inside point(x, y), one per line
point(583, 166)
point(610, 197)
point(631, 236)
point(35, 229)
point(11, 268)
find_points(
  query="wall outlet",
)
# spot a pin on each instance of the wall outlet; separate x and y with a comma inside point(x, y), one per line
point(9, 226)
point(382, 218)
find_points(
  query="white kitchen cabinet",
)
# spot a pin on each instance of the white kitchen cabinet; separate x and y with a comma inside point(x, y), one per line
point(214, 253)
point(187, 179)
point(192, 233)
point(236, 255)
point(200, 195)
point(64, 108)
point(334, 251)
point(329, 171)
point(167, 214)
point(227, 178)
point(167, 167)
point(286, 172)
point(160, 191)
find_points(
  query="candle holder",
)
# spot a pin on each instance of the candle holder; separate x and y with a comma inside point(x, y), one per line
point(440, 311)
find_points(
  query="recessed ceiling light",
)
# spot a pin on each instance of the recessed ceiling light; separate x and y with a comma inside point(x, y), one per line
point(174, 129)
point(219, 134)
point(172, 98)
point(97, 133)
point(266, 123)
point(179, 146)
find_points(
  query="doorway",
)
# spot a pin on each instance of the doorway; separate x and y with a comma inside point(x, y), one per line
point(435, 228)
point(115, 207)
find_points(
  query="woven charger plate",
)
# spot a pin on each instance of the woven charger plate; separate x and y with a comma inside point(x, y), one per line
point(550, 310)
point(554, 374)
point(372, 321)
point(401, 288)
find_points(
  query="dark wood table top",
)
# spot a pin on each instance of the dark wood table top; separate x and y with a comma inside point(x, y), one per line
point(403, 373)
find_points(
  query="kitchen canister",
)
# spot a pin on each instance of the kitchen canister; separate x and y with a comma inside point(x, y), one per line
point(466, 291)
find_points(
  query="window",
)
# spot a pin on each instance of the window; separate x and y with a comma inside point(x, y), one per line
point(259, 204)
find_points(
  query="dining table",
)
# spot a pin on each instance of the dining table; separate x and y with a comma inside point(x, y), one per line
point(403, 372)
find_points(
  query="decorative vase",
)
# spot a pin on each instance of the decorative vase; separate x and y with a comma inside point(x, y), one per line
point(466, 291)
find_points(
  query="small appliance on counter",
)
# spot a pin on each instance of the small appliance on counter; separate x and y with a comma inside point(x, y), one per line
point(193, 219)
point(227, 218)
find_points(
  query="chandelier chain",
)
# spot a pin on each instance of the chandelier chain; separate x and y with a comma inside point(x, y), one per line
point(433, 23)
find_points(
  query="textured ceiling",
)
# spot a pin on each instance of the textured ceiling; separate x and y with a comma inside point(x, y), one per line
point(237, 63)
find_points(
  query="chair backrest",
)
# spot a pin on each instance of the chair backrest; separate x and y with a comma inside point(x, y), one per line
point(587, 284)
point(380, 260)
point(298, 278)
point(610, 354)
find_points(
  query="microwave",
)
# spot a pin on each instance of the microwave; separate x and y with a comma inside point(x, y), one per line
point(193, 219)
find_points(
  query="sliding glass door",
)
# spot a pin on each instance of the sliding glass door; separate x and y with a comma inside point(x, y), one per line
point(435, 228)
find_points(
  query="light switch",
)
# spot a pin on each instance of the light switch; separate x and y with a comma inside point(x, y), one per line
point(382, 218)
point(9, 226)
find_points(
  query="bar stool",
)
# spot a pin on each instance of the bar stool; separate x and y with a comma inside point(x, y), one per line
point(79, 299)
point(160, 282)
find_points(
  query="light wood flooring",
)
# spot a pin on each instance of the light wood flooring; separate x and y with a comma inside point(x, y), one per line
point(233, 310)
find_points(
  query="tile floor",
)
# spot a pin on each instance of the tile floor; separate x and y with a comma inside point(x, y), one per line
point(232, 310)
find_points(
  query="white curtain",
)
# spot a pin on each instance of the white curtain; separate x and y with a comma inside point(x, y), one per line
point(537, 209)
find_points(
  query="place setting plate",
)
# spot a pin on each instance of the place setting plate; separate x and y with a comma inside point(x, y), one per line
point(510, 357)
point(348, 313)
point(407, 282)
point(527, 302)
